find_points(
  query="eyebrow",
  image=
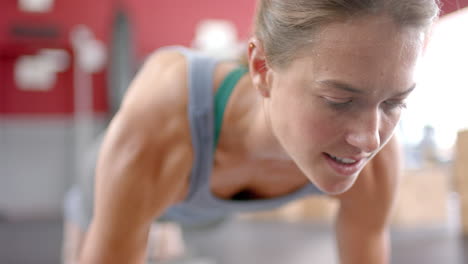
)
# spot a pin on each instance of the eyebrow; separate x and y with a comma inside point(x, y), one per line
point(349, 88)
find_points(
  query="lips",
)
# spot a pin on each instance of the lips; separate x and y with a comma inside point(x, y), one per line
point(345, 166)
point(343, 160)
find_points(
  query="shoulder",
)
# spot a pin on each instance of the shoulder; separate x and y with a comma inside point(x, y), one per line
point(160, 83)
point(148, 142)
point(157, 99)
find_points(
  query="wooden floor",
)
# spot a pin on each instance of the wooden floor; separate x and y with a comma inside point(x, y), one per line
point(239, 241)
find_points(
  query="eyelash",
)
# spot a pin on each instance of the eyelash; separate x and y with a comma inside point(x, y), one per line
point(391, 104)
point(396, 104)
point(338, 105)
point(333, 100)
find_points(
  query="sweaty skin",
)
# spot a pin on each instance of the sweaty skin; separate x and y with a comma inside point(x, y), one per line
point(279, 129)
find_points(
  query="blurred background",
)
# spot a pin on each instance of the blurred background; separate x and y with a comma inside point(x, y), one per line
point(65, 65)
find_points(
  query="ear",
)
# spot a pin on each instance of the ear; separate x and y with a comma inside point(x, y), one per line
point(258, 67)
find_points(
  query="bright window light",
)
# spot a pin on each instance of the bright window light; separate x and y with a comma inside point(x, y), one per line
point(440, 100)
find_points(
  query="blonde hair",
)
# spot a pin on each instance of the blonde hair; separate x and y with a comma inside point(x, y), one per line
point(286, 26)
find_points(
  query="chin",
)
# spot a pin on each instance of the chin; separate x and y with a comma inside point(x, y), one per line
point(335, 187)
point(338, 188)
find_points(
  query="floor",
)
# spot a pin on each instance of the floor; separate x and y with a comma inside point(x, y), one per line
point(241, 241)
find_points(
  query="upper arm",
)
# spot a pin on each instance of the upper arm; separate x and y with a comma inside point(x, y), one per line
point(368, 204)
point(144, 162)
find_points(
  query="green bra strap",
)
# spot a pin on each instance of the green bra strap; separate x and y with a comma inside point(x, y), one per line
point(222, 97)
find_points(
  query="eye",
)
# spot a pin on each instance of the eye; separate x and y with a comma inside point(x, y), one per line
point(334, 101)
point(395, 104)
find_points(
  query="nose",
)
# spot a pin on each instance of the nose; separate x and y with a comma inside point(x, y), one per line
point(365, 132)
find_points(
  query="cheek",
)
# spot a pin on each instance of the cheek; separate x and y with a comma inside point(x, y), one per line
point(300, 122)
point(315, 127)
point(387, 130)
point(389, 125)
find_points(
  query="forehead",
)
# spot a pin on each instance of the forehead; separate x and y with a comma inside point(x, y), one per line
point(367, 32)
point(371, 49)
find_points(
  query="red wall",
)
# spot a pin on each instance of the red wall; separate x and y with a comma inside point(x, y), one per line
point(59, 100)
point(154, 24)
point(168, 22)
point(449, 6)
point(65, 15)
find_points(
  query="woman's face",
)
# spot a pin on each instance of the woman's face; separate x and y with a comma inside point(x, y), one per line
point(336, 105)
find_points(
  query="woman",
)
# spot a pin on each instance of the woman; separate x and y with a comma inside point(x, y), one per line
point(326, 84)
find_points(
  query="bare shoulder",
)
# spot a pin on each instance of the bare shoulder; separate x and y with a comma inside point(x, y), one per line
point(155, 106)
point(150, 134)
point(160, 87)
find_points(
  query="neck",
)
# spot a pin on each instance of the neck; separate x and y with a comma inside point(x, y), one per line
point(246, 131)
